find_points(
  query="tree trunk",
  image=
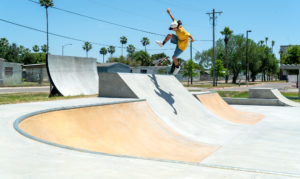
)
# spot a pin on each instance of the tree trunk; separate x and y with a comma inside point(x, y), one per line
point(226, 61)
point(122, 50)
point(191, 79)
point(234, 78)
point(103, 58)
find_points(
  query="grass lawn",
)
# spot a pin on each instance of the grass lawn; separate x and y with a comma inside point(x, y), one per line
point(30, 97)
point(220, 85)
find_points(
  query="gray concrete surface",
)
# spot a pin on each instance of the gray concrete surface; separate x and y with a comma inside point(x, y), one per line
point(33, 89)
point(73, 75)
point(267, 150)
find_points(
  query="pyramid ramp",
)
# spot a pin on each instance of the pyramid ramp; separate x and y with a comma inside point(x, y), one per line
point(271, 94)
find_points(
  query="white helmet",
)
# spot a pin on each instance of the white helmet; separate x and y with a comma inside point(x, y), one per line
point(173, 25)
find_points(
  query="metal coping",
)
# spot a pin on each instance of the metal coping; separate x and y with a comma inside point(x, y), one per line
point(21, 118)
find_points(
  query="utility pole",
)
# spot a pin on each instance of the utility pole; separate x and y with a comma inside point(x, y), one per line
point(212, 16)
point(247, 63)
point(191, 50)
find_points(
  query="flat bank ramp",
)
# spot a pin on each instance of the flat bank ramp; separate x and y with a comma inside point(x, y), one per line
point(271, 93)
point(129, 129)
point(169, 99)
point(214, 102)
point(73, 76)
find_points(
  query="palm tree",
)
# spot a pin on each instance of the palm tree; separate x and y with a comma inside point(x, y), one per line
point(123, 41)
point(130, 49)
point(266, 40)
point(87, 46)
point(111, 50)
point(44, 48)
point(103, 51)
point(36, 48)
point(273, 43)
point(46, 4)
point(145, 41)
point(261, 42)
point(227, 33)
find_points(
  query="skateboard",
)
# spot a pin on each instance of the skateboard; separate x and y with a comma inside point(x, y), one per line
point(159, 61)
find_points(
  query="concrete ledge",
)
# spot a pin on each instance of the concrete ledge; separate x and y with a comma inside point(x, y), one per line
point(254, 101)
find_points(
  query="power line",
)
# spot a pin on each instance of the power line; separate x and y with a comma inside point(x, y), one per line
point(107, 22)
point(101, 20)
point(67, 37)
point(54, 34)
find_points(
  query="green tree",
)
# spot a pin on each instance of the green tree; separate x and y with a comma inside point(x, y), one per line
point(273, 43)
point(130, 50)
point(47, 4)
point(266, 40)
point(220, 70)
point(44, 48)
point(36, 48)
point(189, 70)
point(123, 40)
point(103, 51)
point(292, 55)
point(227, 34)
point(111, 49)
point(145, 41)
point(87, 46)
point(143, 57)
point(4, 45)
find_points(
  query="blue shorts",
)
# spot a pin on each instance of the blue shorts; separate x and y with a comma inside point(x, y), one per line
point(177, 51)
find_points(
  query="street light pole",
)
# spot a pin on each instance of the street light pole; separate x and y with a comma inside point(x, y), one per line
point(247, 63)
point(62, 48)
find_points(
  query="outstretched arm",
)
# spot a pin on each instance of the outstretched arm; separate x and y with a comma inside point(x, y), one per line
point(192, 39)
point(169, 12)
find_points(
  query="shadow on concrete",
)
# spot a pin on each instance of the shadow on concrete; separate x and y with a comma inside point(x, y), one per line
point(168, 97)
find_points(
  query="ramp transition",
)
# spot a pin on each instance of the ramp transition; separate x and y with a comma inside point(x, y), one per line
point(71, 76)
point(126, 129)
point(173, 104)
point(214, 102)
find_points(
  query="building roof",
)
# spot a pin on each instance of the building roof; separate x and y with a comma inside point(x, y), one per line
point(111, 64)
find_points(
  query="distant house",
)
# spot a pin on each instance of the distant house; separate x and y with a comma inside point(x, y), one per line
point(113, 68)
point(283, 73)
point(10, 73)
point(36, 73)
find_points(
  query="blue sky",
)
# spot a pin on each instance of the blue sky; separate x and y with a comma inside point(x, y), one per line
point(276, 19)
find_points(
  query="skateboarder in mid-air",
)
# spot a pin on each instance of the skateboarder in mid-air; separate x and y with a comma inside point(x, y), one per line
point(181, 39)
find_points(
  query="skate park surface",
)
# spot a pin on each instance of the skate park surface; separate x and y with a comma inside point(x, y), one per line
point(269, 148)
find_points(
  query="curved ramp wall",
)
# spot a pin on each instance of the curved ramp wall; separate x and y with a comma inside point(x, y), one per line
point(73, 75)
point(126, 129)
point(214, 102)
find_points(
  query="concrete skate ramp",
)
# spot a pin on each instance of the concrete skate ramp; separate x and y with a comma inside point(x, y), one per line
point(73, 75)
point(130, 129)
point(176, 106)
point(271, 93)
point(214, 102)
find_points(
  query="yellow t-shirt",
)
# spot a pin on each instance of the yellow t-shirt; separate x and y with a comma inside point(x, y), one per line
point(183, 38)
